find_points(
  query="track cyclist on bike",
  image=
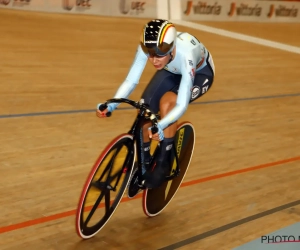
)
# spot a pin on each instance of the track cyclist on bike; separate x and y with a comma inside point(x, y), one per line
point(185, 71)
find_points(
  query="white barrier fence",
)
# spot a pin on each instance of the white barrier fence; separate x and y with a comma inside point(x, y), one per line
point(208, 10)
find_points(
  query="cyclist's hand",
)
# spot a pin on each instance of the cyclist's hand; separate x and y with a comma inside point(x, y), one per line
point(101, 114)
point(159, 136)
point(104, 113)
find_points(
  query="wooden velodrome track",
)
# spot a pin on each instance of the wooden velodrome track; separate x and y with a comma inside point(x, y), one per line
point(243, 181)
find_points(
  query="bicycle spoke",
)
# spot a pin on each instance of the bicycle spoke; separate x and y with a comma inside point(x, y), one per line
point(112, 160)
point(110, 163)
point(126, 162)
point(115, 176)
point(107, 202)
point(94, 208)
point(99, 185)
point(119, 173)
point(104, 172)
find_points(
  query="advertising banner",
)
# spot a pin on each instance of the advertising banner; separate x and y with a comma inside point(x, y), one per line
point(205, 10)
point(282, 11)
point(239, 10)
point(125, 8)
point(34, 5)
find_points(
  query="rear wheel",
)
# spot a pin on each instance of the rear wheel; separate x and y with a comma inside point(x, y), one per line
point(156, 200)
point(105, 186)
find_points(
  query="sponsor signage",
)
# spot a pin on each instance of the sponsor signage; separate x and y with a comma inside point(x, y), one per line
point(208, 10)
point(240, 10)
point(23, 4)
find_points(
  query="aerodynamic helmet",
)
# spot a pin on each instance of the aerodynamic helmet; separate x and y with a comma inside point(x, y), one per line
point(158, 37)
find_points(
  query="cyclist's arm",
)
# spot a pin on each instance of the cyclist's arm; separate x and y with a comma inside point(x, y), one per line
point(184, 93)
point(133, 76)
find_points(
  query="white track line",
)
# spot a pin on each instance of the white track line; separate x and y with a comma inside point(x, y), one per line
point(239, 36)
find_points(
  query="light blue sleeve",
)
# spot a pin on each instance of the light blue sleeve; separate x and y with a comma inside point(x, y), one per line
point(132, 78)
point(184, 93)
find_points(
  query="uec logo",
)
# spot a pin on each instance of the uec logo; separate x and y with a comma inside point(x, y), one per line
point(125, 7)
point(69, 4)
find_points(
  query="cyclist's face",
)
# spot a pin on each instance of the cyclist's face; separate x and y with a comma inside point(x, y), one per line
point(159, 62)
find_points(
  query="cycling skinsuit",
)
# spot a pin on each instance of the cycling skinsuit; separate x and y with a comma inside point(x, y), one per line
point(190, 74)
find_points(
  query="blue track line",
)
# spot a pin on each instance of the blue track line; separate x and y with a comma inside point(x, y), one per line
point(127, 108)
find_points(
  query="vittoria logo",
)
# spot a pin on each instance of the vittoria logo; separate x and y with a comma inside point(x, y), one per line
point(244, 10)
point(282, 11)
point(180, 140)
point(189, 7)
point(202, 8)
point(131, 7)
point(82, 4)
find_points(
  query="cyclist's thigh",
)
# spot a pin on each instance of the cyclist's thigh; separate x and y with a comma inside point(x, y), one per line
point(162, 82)
point(202, 84)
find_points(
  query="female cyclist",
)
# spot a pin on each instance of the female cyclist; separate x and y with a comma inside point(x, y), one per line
point(185, 71)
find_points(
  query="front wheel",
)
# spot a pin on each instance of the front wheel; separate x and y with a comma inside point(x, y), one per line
point(105, 186)
point(156, 200)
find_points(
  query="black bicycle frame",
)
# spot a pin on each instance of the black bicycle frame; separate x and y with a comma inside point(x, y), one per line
point(136, 130)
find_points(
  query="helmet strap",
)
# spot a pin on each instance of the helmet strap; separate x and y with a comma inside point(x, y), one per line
point(171, 57)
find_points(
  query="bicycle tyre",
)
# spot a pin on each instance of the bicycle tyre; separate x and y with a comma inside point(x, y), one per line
point(104, 186)
point(156, 200)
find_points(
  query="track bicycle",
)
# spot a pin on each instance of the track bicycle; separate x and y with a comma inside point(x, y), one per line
point(110, 175)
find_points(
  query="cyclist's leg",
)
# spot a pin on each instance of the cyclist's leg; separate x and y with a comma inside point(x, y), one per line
point(166, 104)
point(161, 94)
point(161, 84)
point(162, 165)
point(202, 83)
